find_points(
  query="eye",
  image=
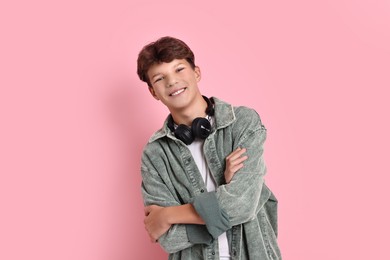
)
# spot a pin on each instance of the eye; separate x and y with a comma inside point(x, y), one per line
point(179, 69)
point(158, 79)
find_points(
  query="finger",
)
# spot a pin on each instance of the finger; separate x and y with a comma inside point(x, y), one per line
point(239, 160)
point(239, 149)
point(153, 238)
point(237, 154)
point(240, 152)
point(147, 210)
point(232, 153)
point(237, 167)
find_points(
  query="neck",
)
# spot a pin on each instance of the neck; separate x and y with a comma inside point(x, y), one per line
point(186, 115)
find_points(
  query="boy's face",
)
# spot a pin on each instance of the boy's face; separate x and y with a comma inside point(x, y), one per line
point(175, 83)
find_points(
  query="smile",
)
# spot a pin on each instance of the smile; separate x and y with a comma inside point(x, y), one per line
point(178, 92)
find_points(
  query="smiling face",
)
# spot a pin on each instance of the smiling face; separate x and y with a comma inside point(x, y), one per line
point(175, 84)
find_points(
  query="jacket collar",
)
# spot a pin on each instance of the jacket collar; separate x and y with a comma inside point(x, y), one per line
point(224, 116)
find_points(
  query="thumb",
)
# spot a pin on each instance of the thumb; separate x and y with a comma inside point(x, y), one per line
point(147, 210)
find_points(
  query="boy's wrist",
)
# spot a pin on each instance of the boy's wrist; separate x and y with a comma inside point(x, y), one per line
point(169, 215)
point(183, 214)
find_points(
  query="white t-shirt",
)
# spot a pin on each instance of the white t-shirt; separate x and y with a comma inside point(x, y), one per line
point(196, 149)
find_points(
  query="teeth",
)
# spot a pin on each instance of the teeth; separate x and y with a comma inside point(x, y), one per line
point(177, 92)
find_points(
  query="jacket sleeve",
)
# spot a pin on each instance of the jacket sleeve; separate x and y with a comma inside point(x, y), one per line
point(240, 200)
point(156, 191)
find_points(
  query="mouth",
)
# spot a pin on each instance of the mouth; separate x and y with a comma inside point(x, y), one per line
point(177, 92)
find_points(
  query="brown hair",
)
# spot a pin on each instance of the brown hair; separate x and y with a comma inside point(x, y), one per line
point(165, 49)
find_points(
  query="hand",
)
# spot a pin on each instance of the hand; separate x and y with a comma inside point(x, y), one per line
point(234, 162)
point(155, 221)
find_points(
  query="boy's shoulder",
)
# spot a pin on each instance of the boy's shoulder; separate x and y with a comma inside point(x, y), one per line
point(236, 109)
point(239, 114)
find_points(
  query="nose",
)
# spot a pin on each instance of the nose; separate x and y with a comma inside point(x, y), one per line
point(171, 80)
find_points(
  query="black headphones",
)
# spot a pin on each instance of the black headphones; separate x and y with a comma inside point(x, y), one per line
point(200, 127)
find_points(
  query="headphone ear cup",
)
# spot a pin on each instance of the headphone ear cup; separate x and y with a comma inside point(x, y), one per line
point(184, 134)
point(201, 127)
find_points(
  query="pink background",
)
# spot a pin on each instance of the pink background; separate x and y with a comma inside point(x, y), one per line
point(75, 117)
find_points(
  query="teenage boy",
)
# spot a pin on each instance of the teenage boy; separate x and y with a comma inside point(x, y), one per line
point(202, 172)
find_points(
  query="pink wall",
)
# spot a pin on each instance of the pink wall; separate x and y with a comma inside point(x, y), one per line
point(74, 119)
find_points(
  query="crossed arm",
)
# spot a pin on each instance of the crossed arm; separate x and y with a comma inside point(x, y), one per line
point(159, 219)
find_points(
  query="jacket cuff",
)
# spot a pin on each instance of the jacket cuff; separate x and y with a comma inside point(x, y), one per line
point(216, 219)
point(198, 234)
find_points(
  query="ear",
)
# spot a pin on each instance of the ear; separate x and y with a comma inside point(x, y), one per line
point(198, 74)
point(151, 90)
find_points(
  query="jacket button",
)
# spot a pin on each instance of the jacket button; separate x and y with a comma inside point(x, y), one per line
point(202, 190)
point(213, 253)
